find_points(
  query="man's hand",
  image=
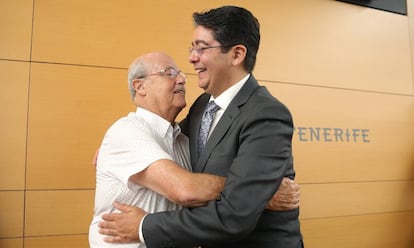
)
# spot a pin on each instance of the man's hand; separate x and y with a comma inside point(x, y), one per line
point(122, 227)
point(286, 198)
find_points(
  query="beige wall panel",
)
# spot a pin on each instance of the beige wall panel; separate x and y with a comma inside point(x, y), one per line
point(111, 33)
point(14, 78)
point(334, 44)
point(411, 31)
point(15, 29)
point(72, 241)
point(11, 214)
point(366, 231)
point(358, 48)
point(389, 119)
point(342, 199)
point(58, 212)
point(70, 109)
point(108, 32)
point(11, 243)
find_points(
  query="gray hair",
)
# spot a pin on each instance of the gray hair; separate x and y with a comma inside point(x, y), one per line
point(138, 69)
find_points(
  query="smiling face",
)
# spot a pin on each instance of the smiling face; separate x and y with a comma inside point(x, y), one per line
point(162, 91)
point(213, 67)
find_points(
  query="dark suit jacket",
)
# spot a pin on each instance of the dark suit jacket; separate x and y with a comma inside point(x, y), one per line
point(251, 145)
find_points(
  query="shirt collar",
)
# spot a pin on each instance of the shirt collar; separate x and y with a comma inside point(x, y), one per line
point(163, 127)
point(224, 99)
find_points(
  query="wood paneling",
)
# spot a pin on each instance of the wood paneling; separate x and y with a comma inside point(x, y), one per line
point(58, 212)
point(11, 243)
point(336, 66)
point(70, 109)
point(357, 48)
point(15, 29)
point(365, 231)
point(334, 44)
point(14, 80)
point(411, 31)
point(70, 241)
point(389, 119)
point(11, 214)
point(346, 199)
point(108, 33)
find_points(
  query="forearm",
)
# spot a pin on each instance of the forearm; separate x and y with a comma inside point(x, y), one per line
point(200, 188)
point(179, 185)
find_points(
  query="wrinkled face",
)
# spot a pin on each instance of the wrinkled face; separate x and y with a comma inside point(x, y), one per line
point(165, 88)
point(211, 65)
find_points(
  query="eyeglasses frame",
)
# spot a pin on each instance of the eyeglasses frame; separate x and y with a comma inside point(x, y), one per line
point(200, 50)
point(164, 73)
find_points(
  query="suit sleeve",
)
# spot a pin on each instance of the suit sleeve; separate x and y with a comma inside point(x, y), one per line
point(262, 137)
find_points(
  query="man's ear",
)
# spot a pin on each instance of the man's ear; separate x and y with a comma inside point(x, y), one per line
point(139, 87)
point(239, 54)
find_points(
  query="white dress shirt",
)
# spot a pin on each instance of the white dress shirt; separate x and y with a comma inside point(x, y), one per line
point(224, 100)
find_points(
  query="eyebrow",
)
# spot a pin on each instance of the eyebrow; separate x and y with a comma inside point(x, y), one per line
point(198, 42)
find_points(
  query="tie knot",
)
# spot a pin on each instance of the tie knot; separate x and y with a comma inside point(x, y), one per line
point(212, 107)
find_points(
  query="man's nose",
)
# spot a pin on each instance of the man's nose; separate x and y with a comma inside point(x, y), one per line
point(193, 57)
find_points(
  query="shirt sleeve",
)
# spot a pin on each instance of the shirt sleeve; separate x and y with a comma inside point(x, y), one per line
point(140, 233)
point(131, 146)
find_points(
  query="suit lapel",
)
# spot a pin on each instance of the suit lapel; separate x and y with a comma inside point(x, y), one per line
point(232, 111)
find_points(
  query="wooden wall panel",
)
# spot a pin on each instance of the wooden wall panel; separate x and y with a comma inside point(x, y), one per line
point(370, 55)
point(58, 212)
point(346, 199)
point(14, 79)
point(11, 214)
point(70, 241)
point(106, 32)
point(11, 243)
point(336, 66)
point(364, 231)
point(334, 44)
point(110, 33)
point(70, 109)
point(411, 31)
point(388, 119)
point(15, 29)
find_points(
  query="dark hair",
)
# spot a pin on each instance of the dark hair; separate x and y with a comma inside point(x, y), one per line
point(232, 25)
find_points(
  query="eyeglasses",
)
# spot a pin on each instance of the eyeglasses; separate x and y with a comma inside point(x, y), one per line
point(169, 72)
point(200, 50)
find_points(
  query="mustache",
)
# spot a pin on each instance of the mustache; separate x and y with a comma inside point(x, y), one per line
point(179, 88)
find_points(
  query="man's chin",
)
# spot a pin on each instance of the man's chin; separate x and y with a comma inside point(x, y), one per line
point(181, 106)
point(202, 85)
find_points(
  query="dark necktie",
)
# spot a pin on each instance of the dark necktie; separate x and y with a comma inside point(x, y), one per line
point(206, 122)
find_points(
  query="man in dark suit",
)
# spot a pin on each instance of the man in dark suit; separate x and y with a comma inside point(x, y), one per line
point(249, 142)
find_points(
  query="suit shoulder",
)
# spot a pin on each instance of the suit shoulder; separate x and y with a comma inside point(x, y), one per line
point(262, 98)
